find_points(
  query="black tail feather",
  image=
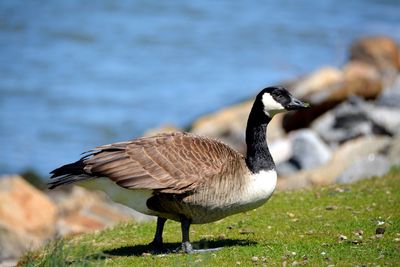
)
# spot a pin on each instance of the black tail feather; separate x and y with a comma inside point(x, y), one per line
point(68, 174)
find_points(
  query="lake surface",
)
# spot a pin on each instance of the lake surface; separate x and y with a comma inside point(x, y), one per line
point(77, 74)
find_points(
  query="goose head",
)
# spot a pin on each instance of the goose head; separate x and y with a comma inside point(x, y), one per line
point(269, 102)
point(275, 100)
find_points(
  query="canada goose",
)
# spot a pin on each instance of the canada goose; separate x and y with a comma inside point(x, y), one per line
point(188, 178)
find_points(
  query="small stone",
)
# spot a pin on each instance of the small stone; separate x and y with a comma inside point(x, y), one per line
point(331, 207)
point(304, 261)
point(342, 237)
point(310, 232)
point(339, 190)
point(380, 231)
point(254, 258)
point(359, 233)
point(246, 231)
point(397, 239)
point(291, 215)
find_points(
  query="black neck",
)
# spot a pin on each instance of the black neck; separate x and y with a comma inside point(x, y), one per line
point(258, 157)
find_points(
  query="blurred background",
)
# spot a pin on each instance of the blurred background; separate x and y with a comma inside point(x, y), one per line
point(77, 74)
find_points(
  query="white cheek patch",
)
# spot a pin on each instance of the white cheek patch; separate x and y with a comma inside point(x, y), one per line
point(271, 107)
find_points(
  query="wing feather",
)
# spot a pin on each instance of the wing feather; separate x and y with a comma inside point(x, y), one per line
point(170, 163)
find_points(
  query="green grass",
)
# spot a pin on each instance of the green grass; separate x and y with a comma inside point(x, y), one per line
point(297, 228)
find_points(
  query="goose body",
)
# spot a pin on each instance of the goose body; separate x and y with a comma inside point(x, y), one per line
point(188, 178)
point(202, 191)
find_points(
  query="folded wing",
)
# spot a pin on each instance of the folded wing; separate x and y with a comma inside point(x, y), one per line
point(169, 163)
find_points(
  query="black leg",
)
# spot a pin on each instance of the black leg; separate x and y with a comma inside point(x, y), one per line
point(186, 246)
point(185, 226)
point(157, 244)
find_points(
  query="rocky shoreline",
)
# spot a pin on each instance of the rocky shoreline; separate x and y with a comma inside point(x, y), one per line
point(352, 132)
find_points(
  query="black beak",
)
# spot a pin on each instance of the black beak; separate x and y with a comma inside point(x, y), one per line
point(296, 104)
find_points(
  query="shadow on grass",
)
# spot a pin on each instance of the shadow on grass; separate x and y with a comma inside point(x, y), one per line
point(138, 250)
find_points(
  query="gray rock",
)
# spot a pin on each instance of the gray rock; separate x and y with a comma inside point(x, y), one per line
point(355, 118)
point(309, 151)
point(347, 121)
point(366, 167)
point(390, 97)
point(286, 168)
point(384, 119)
point(9, 263)
point(13, 244)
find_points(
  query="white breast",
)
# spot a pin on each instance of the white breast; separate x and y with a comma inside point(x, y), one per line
point(260, 187)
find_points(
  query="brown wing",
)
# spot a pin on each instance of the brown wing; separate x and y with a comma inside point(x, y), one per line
point(170, 163)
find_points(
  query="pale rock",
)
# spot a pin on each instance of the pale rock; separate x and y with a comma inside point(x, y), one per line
point(356, 78)
point(342, 159)
point(9, 263)
point(25, 209)
point(319, 80)
point(27, 217)
point(309, 151)
point(394, 151)
point(13, 243)
point(286, 168)
point(356, 69)
point(379, 51)
point(390, 97)
point(84, 211)
point(385, 118)
point(373, 65)
point(359, 79)
point(226, 125)
point(364, 168)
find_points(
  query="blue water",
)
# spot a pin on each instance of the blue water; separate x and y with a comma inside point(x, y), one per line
point(76, 74)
